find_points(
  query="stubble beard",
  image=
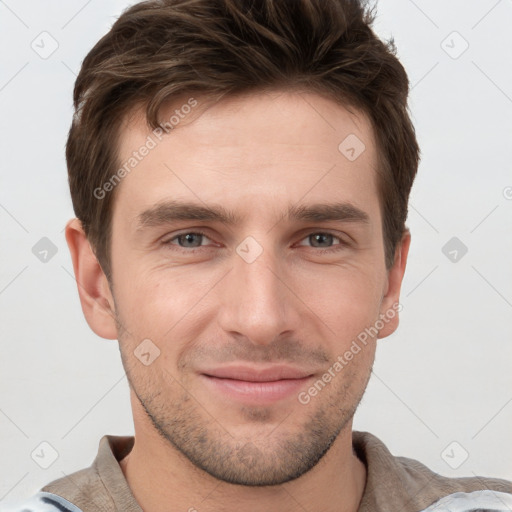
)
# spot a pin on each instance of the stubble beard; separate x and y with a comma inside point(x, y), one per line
point(281, 455)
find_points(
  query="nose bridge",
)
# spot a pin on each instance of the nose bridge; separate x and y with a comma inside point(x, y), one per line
point(257, 303)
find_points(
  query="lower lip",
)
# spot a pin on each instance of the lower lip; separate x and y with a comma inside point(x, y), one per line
point(256, 392)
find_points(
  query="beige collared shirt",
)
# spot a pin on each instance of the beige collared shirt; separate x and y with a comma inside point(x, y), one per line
point(394, 484)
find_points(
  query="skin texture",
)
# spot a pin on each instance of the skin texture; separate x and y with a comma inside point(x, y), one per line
point(254, 155)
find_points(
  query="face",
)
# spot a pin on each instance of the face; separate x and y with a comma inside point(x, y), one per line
point(247, 257)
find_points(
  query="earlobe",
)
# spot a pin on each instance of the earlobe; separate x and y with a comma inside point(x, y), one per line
point(93, 288)
point(390, 305)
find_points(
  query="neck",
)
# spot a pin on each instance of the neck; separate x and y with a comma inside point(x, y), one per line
point(159, 475)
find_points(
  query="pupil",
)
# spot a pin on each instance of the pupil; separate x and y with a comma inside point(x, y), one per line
point(321, 235)
point(189, 237)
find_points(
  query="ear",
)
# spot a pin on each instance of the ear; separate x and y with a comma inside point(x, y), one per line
point(390, 301)
point(93, 288)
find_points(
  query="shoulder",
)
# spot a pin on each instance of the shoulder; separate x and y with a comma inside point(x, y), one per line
point(395, 482)
point(44, 502)
point(412, 471)
point(476, 501)
point(445, 494)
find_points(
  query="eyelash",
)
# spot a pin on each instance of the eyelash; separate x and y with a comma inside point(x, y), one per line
point(192, 250)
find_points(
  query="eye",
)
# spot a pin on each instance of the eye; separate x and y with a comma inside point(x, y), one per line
point(325, 238)
point(187, 240)
point(321, 241)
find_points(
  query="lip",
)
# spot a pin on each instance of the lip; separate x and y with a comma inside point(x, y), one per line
point(258, 374)
point(256, 385)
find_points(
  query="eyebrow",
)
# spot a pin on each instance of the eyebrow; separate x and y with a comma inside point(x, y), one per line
point(172, 211)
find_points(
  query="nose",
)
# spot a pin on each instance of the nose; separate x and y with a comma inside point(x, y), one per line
point(257, 300)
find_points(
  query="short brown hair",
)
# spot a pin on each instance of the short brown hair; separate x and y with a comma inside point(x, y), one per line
point(159, 50)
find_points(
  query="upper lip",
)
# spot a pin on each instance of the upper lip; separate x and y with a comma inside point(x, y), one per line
point(258, 374)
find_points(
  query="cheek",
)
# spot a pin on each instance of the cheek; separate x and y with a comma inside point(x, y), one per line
point(346, 299)
point(160, 302)
point(164, 306)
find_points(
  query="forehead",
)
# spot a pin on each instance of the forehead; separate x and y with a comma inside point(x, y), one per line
point(257, 151)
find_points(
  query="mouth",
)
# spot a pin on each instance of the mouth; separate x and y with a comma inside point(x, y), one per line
point(256, 385)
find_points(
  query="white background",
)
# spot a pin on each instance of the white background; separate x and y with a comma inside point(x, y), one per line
point(444, 376)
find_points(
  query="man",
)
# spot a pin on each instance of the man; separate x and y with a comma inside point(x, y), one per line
point(240, 173)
